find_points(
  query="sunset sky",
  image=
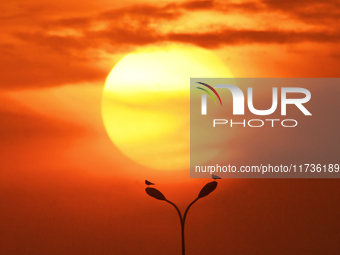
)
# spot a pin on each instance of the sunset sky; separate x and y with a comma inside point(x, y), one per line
point(65, 188)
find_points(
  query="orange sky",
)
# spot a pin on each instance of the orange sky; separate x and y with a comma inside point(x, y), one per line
point(66, 189)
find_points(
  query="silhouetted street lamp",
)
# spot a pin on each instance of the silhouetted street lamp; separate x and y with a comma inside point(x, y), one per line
point(205, 191)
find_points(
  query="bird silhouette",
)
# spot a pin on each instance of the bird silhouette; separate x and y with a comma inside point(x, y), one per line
point(148, 183)
point(215, 177)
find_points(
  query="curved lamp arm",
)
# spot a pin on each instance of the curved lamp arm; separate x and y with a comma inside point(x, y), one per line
point(186, 211)
point(178, 211)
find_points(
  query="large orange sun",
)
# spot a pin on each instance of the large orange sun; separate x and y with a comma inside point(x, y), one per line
point(146, 103)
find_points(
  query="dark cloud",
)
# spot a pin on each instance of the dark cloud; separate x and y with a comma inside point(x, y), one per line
point(39, 58)
point(299, 4)
point(76, 23)
point(221, 6)
point(119, 36)
point(198, 5)
point(313, 12)
point(43, 56)
point(135, 25)
point(233, 37)
point(167, 12)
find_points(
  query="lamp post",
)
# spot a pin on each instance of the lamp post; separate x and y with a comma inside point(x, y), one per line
point(205, 191)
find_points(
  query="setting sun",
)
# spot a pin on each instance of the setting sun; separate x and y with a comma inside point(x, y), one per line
point(146, 102)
